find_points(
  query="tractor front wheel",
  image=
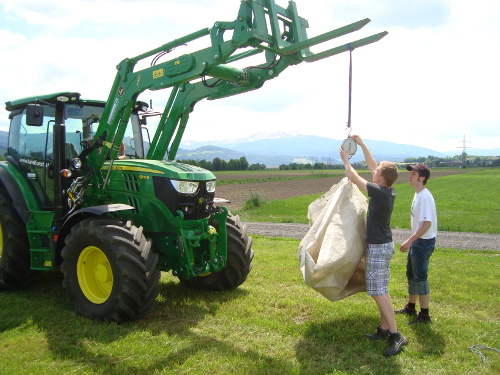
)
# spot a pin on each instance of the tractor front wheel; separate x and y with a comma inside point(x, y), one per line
point(109, 270)
point(238, 264)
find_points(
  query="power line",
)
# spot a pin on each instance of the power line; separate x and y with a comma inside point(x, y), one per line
point(463, 147)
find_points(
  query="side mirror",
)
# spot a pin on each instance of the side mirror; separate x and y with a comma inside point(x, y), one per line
point(34, 115)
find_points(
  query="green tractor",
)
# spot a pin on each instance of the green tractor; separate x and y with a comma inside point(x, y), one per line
point(87, 191)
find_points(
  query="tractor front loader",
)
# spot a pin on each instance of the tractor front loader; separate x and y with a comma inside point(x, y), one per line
point(87, 191)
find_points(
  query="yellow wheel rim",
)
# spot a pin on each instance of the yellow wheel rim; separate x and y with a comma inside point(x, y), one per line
point(95, 275)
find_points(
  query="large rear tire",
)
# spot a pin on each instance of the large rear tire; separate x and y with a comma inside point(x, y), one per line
point(110, 270)
point(239, 260)
point(15, 263)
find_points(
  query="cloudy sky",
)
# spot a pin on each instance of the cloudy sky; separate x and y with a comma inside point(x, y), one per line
point(432, 80)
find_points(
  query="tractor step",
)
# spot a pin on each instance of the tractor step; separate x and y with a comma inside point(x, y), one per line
point(41, 259)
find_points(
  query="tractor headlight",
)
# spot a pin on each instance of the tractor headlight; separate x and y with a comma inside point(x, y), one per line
point(185, 187)
point(211, 186)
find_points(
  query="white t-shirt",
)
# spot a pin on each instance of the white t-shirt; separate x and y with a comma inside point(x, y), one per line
point(423, 208)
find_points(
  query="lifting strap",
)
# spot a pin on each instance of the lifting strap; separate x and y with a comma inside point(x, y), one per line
point(350, 88)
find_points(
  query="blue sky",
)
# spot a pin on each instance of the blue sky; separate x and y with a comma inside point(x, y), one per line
point(432, 80)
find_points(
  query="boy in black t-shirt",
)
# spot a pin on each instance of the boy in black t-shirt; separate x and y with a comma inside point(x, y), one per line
point(379, 238)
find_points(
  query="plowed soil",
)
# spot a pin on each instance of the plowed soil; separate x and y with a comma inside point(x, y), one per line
point(238, 194)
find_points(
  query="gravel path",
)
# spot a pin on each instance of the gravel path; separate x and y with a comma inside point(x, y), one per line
point(454, 240)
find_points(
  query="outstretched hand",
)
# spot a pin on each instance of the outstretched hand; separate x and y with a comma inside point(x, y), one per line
point(358, 139)
point(344, 155)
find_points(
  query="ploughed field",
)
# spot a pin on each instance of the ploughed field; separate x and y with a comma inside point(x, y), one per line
point(239, 193)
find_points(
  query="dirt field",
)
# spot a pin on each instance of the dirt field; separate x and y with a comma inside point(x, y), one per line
point(238, 194)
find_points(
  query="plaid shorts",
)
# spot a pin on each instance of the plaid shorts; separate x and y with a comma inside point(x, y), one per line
point(378, 260)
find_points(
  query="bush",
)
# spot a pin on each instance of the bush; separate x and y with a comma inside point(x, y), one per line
point(255, 201)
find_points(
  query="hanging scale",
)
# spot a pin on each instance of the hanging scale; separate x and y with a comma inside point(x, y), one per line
point(349, 145)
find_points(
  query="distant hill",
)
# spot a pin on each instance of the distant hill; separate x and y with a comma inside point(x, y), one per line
point(211, 152)
point(475, 152)
point(280, 149)
point(313, 148)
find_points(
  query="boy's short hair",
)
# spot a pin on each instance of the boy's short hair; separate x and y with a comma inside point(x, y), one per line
point(389, 171)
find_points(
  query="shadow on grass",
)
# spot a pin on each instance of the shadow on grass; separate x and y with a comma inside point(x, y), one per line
point(339, 346)
point(428, 341)
point(94, 346)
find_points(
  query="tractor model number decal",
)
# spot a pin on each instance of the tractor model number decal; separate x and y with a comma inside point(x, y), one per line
point(158, 73)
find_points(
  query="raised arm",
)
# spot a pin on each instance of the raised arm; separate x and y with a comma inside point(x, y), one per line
point(351, 173)
point(370, 160)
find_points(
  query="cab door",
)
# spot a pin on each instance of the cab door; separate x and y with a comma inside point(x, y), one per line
point(30, 147)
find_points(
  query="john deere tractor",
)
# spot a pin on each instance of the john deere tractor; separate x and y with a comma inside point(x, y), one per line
point(86, 190)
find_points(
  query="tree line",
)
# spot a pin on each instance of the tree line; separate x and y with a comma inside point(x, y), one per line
point(219, 164)
point(309, 166)
point(463, 160)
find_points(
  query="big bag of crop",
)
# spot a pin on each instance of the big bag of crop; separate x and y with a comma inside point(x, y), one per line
point(332, 253)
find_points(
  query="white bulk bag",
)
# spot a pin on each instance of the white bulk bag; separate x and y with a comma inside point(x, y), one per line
point(331, 254)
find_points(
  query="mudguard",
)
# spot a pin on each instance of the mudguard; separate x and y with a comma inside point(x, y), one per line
point(86, 212)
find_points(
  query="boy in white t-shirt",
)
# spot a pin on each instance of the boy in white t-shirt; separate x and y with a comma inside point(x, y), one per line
point(420, 244)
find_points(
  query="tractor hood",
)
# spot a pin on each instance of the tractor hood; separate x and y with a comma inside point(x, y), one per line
point(163, 168)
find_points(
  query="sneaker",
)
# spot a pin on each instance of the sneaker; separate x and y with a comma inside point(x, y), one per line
point(406, 310)
point(395, 344)
point(421, 318)
point(381, 334)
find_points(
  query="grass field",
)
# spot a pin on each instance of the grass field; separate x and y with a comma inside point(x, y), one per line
point(272, 324)
point(465, 203)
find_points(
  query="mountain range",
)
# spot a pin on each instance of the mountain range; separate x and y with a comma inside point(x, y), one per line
point(277, 149)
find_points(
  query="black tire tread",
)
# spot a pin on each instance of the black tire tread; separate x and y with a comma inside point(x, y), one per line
point(15, 261)
point(134, 269)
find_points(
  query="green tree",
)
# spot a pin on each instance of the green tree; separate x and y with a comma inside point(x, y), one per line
point(217, 164)
point(233, 165)
point(243, 163)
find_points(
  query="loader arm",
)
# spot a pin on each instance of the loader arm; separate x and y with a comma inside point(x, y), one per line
point(261, 27)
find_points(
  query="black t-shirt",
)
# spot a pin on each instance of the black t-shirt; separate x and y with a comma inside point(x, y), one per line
point(378, 223)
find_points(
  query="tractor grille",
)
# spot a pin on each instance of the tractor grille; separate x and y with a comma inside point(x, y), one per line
point(134, 202)
point(131, 182)
point(194, 206)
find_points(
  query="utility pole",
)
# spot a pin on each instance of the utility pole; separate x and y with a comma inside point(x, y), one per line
point(463, 147)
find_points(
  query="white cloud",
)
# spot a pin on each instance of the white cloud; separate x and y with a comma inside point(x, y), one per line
point(56, 14)
point(429, 82)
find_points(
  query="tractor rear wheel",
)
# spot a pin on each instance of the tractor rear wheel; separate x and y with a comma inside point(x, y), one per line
point(110, 270)
point(15, 271)
point(239, 260)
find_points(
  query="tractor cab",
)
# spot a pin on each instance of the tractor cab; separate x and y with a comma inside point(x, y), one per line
point(31, 142)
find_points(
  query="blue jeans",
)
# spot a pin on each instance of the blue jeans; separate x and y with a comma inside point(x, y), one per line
point(418, 265)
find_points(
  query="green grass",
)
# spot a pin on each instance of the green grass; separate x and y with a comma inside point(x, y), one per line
point(272, 324)
point(466, 202)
